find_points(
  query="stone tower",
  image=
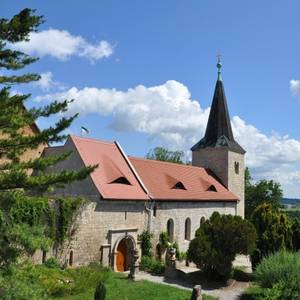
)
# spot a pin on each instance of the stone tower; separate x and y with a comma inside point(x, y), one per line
point(218, 150)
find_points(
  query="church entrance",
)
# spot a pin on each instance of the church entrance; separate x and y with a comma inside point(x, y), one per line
point(121, 256)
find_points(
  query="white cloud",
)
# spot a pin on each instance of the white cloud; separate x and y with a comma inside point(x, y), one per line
point(168, 114)
point(295, 87)
point(46, 81)
point(62, 45)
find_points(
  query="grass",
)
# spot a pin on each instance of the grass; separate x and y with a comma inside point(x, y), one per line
point(120, 288)
point(35, 282)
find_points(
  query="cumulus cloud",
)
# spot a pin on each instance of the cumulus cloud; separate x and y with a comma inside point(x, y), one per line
point(168, 114)
point(62, 45)
point(295, 87)
point(46, 82)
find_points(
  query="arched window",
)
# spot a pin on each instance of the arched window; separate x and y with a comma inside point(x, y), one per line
point(187, 229)
point(237, 167)
point(170, 229)
point(71, 258)
point(202, 220)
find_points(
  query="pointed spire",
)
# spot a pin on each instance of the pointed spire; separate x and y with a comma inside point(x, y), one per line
point(218, 131)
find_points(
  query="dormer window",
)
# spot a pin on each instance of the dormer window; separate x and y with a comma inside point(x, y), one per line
point(212, 188)
point(179, 186)
point(121, 180)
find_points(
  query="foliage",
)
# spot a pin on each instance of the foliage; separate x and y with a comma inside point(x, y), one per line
point(218, 241)
point(152, 265)
point(146, 243)
point(277, 278)
point(292, 213)
point(279, 267)
point(100, 292)
point(163, 154)
point(263, 191)
point(25, 218)
point(52, 263)
point(44, 282)
point(164, 239)
point(296, 234)
point(274, 232)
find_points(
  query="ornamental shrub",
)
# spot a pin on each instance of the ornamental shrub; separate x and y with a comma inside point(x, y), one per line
point(277, 277)
point(152, 265)
point(218, 241)
point(146, 238)
point(282, 267)
point(274, 232)
point(100, 292)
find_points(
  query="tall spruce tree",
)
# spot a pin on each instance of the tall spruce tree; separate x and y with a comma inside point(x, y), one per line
point(25, 212)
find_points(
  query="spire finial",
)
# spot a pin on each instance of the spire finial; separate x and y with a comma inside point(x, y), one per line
point(219, 66)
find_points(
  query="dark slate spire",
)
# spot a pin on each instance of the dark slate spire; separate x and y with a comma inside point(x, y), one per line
point(218, 131)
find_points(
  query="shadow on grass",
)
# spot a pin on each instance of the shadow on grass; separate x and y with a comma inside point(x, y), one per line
point(189, 280)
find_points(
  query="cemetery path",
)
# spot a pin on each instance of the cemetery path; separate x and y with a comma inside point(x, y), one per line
point(224, 293)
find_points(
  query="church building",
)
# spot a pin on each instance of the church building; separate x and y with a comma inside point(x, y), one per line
point(128, 195)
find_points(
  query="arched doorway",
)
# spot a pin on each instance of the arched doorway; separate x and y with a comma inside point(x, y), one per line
point(123, 258)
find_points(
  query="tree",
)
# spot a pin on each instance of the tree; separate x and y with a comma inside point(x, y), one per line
point(163, 154)
point(218, 241)
point(263, 191)
point(274, 232)
point(24, 206)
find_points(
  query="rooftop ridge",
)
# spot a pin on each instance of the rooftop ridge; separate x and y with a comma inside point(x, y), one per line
point(95, 140)
point(165, 162)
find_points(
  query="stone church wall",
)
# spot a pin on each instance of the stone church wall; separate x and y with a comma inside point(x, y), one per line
point(180, 211)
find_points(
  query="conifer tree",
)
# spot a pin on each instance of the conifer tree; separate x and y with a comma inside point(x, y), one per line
point(24, 205)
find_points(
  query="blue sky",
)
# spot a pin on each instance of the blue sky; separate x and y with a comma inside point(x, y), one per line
point(169, 48)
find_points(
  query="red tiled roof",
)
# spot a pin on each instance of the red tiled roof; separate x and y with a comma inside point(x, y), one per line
point(161, 177)
point(112, 166)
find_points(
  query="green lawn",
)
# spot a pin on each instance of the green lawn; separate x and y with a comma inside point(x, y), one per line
point(120, 288)
point(36, 282)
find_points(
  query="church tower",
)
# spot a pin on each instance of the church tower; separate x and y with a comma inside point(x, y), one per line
point(218, 150)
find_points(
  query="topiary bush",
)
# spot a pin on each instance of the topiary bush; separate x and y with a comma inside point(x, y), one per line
point(218, 241)
point(100, 292)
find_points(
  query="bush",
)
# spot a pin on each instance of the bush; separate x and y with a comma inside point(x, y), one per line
point(52, 263)
point(39, 281)
point(281, 267)
point(218, 241)
point(278, 278)
point(145, 237)
point(164, 239)
point(274, 232)
point(296, 234)
point(100, 292)
point(152, 265)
